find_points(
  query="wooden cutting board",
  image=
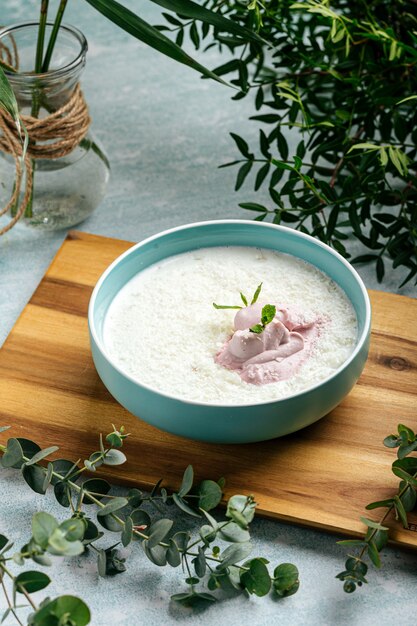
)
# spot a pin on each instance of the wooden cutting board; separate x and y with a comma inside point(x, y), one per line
point(322, 476)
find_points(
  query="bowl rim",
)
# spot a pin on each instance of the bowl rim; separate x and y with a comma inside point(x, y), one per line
point(359, 345)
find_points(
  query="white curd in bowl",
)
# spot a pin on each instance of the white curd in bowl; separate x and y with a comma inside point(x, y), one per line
point(163, 331)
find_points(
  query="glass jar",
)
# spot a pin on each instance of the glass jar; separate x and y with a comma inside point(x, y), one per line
point(67, 189)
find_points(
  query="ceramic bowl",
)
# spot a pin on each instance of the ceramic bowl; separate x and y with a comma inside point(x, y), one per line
point(216, 422)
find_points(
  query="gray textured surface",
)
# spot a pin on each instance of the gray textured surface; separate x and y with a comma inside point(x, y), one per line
point(166, 131)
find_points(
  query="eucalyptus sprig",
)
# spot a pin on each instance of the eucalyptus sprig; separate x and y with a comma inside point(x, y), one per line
point(404, 501)
point(217, 557)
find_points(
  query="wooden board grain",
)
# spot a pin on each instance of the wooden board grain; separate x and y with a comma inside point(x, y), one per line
point(322, 476)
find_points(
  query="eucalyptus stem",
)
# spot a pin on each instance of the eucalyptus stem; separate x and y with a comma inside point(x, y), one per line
point(53, 36)
point(10, 605)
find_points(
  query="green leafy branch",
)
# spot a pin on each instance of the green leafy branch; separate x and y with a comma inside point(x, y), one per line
point(201, 558)
point(376, 537)
point(348, 105)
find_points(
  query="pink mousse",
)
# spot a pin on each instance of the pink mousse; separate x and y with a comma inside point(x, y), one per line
point(273, 355)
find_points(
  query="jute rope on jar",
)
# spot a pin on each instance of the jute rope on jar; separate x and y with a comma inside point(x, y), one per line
point(51, 137)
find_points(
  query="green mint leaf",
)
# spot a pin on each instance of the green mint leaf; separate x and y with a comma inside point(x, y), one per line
point(268, 314)
point(258, 329)
point(243, 298)
point(225, 306)
point(256, 294)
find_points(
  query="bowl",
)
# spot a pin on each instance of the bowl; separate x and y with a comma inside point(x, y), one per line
point(216, 422)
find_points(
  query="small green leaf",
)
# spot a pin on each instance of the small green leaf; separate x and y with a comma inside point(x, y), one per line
point(157, 555)
point(187, 481)
point(241, 145)
point(42, 454)
point(31, 581)
point(193, 599)
point(235, 553)
point(257, 293)
point(286, 580)
point(34, 475)
point(73, 529)
point(127, 532)
point(59, 544)
point(374, 554)
point(401, 473)
point(3, 542)
point(379, 504)
point(241, 506)
point(257, 579)
point(60, 611)
point(48, 476)
point(181, 504)
point(243, 298)
point(114, 457)
point(225, 306)
point(99, 487)
point(13, 454)
point(158, 531)
point(199, 563)
point(61, 493)
point(140, 518)
point(114, 505)
point(268, 313)
point(401, 512)
point(101, 563)
point(242, 174)
point(392, 441)
point(173, 554)
point(234, 533)
point(372, 524)
point(210, 495)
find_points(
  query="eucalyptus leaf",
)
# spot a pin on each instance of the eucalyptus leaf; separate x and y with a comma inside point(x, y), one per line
point(157, 555)
point(234, 533)
point(126, 536)
point(61, 493)
point(34, 475)
point(42, 454)
point(62, 608)
point(257, 579)
point(140, 517)
point(158, 531)
point(173, 554)
point(187, 481)
point(59, 545)
point(181, 504)
point(98, 486)
point(112, 506)
point(43, 525)
point(210, 495)
point(114, 457)
point(73, 528)
point(31, 582)
point(286, 580)
point(13, 456)
point(200, 564)
point(235, 553)
point(241, 509)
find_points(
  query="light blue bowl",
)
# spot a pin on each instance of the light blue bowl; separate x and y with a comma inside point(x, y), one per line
point(216, 422)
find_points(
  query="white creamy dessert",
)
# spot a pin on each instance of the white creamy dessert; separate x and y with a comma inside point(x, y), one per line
point(163, 330)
